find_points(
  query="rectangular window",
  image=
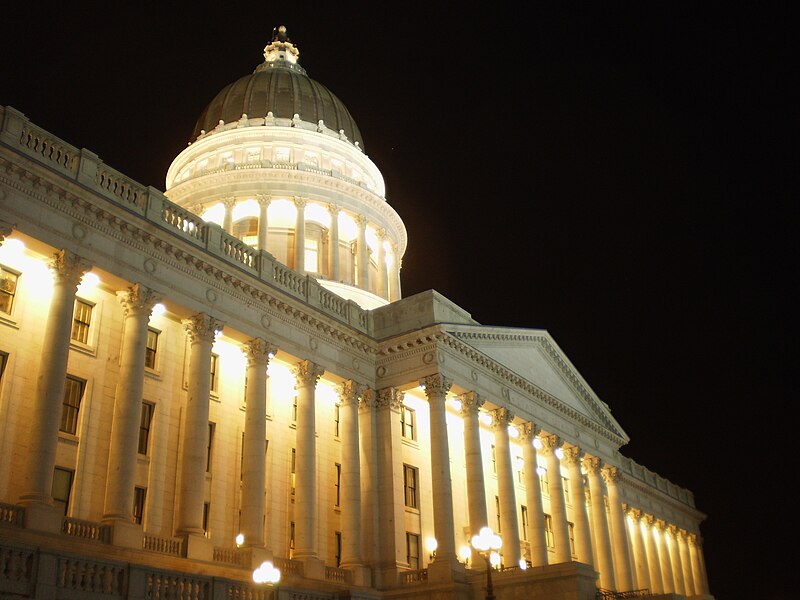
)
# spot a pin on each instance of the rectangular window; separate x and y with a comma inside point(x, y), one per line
point(337, 540)
point(548, 531)
point(151, 349)
point(524, 522)
point(410, 477)
point(3, 363)
point(139, 494)
point(497, 512)
point(520, 470)
point(144, 427)
point(8, 289)
point(294, 408)
point(543, 481)
point(338, 483)
point(565, 484)
point(291, 540)
point(494, 460)
point(62, 488)
point(214, 371)
point(571, 530)
point(210, 446)
point(408, 422)
point(412, 550)
point(241, 460)
point(294, 465)
point(336, 414)
point(73, 394)
point(206, 514)
point(81, 320)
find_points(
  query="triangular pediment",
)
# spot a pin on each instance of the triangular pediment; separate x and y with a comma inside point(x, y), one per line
point(533, 355)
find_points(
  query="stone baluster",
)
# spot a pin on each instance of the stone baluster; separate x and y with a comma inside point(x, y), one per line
point(558, 507)
point(257, 352)
point(45, 410)
point(537, 538)
point(502, 418)
point(622, 559)
point(263, 220)
point(305, 507)
point(573, 458)
point(300, 235)
point(603, 561)
point(137, 302)
point(476, 490)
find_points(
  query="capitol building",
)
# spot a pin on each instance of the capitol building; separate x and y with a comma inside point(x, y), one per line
point(224, 378)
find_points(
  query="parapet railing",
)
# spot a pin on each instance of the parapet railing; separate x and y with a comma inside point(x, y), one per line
point(602, 594)
point(11, 514)
point(413, 577)
point(652, 479)
point(87, 530)
point(83, 166)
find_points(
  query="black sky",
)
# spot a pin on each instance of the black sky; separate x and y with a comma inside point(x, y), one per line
point(617, 176)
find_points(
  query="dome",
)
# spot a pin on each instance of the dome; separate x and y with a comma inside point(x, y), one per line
point(279, 86)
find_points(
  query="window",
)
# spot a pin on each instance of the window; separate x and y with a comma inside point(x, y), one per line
point(338, 484)
point(494, 460)
point(520, 470)
point(62, 486)
point(410, 475)
point(73, 393)
point(336, 414)
point(144, 427)
point(281, 155)
point(408, 422)
point(294, 465)
point(210, 446)
point(337, 541)
point(565, 484)
point(497, 512)
point(151, 349)
point(139, 494)
point(241, 460)
point(81, 320)
point(8, 289)
point(412, 550)
point(524, 522)
point(543, 481)
point(214, 371)
point(3, 363)
point(206, 513)
point(247, 231)
point(291, 540)
point(312, 256)
point(571, 530)
point(294, 408)
point(548, 531)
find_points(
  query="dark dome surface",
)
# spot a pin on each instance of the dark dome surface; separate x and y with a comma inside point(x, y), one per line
point(285, 90)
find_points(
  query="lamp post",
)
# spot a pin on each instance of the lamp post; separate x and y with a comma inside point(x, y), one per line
point(267, 573)
point(487, 543)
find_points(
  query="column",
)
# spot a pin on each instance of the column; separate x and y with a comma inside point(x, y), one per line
point(603, 560)
point(137, 304)
point(436, 387)
point(333, 247)
point(227, 219)
point(349, 394)
point(305, 504)
point(367, 424)
point(45, 413)
point(533, 494)
point(622, 559)
point(398, 263)
point(201, 329)
point(686, 563)
point(476, 490)
point(501, 419)
point(363, 253)
point(664, 559)
point(263, 220)
point(551, 450)
point(257, 352)
point(573, 458)
point(391, 553)
point(675, 559)
point(702, 582)
point(383, 282)
point(639, 555)
point(300, 236)
point(653, 565)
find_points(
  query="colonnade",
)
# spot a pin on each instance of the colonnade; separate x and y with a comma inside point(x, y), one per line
point(386, 284)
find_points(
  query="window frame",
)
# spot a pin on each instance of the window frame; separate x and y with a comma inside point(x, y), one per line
point(408, 430)
point(83, 327)
point(139, 500)
point(67, 408)
point(9, 294)
point(152, 364)
point(411, 486)
point(416, 564)
point(145, 427)
point(57, 500)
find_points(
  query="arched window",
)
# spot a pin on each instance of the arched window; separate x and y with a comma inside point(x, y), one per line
point(247, 230)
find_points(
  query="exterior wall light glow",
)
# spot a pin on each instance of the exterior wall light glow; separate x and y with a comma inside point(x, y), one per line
point(540, 471)
point(158, 310)
point(431, 545)
point(537, 443)
point(559, 453)
point(456, 403)
point(513, 431)
point(523, 564)
point(88, 282)
point(240, 539)
point(267, 573)
point(464, 553)
point(494, 559)
point(486, 418)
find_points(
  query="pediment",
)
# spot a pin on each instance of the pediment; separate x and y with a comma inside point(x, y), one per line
point(533, 355)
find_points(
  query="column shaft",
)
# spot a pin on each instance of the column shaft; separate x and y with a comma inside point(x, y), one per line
point(137, 302)
point(350, 394)
point(653, 564)
point(227, 219)
point(675, 559)
point(201, 329)
point(263, 221)
point(537, 538)
point(363, 253)
point(639, 555)
point(558, 507)
point(664, 559)
point(603, 561)
point(46, 406)
point(383, 290)
point(335, 268)
point(686, 563)
point(622, 559)
point(300, 235)
point(583, 541)
point(476, 490)
point(505, 484)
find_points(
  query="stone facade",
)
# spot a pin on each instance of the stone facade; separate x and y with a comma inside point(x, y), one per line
point(167, 386)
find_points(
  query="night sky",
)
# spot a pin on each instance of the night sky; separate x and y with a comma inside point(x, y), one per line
point(615, 176)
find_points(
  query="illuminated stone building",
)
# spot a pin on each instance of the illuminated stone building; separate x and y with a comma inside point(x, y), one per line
point(234, 357)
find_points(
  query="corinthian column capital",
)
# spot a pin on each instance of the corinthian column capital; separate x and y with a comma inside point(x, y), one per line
point(202, 328)
point(436, 384)
point(308, 373)
point(611, 475)
point(138, 299)
point(550, 443)
point(592, 464)
point(350, 392)
point(528, 432)
point(258, 351)
point(68, 268)
point(573, 456)
point(471, 403)
point(502, 418)
point(389, 397)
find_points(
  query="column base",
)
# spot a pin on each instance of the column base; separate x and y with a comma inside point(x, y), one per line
point(443, 570)
point(42, 517)
point(313, 567)
point(197, 547)
point(125, 534)
point(254, 556)
point(361, 575)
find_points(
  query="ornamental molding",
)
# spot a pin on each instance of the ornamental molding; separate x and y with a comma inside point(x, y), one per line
point(195, 263)
point(668, 506)
point(556, 359)
point(138, 299)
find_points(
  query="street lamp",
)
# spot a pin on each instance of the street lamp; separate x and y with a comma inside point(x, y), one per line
point(267, 573)
point(487, 543)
